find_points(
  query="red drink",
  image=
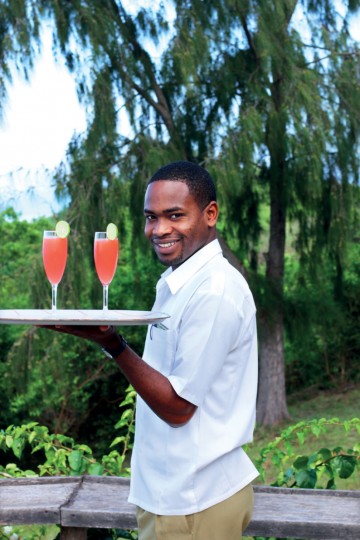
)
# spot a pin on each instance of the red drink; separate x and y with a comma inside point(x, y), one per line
point(54, 256)
point(106, 256)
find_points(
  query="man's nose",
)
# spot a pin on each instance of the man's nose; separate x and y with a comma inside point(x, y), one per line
point(161, 227)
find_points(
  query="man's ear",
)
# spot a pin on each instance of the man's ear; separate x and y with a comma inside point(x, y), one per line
point(212, 213)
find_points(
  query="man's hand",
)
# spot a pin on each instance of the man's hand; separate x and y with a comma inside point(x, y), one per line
point(104, 336)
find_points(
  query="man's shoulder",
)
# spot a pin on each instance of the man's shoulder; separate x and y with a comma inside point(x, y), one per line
point(219, 274)
point(221, 265)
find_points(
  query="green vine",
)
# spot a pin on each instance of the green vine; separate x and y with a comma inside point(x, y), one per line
point(305, 471)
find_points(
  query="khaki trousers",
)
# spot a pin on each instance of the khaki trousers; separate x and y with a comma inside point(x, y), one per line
point(223, 521)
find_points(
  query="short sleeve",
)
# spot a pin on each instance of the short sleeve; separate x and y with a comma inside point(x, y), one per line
point(210, 327)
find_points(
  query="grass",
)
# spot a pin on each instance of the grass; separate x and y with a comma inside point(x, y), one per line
point(344, 405)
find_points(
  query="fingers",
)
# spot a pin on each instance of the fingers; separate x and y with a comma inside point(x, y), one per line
point(90, 332)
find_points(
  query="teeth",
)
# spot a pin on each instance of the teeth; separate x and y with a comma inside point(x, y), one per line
point(169, 244)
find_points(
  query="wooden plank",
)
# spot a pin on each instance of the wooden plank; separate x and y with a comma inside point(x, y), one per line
point(101, 502)
point(34, 500)
point(306, 513)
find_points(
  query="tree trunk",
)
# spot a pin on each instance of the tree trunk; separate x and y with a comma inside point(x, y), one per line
point(271, 406)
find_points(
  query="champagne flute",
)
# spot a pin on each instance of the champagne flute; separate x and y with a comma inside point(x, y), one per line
point(106, 251)
point(54, 252)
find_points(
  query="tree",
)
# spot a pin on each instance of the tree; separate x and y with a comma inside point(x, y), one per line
point(269, 109)
point(296, 120)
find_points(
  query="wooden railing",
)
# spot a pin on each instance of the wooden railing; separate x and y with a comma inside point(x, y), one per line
point(80, 503)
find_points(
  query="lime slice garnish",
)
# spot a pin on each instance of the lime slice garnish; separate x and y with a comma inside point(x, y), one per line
point(111, 231)
point(62, 229)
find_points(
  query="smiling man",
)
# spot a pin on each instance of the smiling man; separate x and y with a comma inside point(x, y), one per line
point(194, 482)
point(197, 379)
point(178, 223)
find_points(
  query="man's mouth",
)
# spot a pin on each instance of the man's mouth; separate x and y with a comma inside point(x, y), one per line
point(165, 245)
point(162, 244)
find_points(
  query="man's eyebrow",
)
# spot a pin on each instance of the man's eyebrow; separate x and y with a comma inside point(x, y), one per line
point(166, 211)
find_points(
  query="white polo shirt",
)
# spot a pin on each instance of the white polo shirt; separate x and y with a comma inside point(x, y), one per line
point(209, 354)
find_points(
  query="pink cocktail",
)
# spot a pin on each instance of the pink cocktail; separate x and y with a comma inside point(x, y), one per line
point(106, 254)
point(54, 252)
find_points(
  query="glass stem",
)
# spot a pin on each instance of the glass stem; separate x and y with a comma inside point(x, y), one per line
point(53, 296)
point(105, 296)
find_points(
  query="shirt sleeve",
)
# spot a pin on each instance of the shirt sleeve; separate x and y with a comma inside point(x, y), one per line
point(210, 328)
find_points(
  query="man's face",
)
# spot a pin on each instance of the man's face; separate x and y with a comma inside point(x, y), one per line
point(175, 224)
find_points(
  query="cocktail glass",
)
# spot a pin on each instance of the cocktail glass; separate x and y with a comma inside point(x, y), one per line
point(54, 252)
point(106, 254)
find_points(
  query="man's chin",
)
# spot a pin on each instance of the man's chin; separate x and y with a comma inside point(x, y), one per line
point(168, 261)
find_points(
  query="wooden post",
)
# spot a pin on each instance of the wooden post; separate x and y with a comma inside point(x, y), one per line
point(73, 533)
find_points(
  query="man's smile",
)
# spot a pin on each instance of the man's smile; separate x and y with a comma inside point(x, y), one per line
point(164, 244)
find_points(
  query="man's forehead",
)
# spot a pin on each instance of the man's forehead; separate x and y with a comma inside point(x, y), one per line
point(166, 192)
point(167, 184)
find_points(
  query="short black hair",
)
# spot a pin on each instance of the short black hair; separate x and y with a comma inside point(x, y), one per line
point(199, 182)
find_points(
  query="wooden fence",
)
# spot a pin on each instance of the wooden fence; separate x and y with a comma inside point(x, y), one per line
point(80, 503)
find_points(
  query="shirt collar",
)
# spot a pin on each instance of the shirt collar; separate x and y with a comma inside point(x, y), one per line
point(178, 277)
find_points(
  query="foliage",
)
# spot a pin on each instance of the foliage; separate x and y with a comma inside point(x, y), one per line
point(62, 455)
point(308, 471)
point(19, 259)
point(63, 383)
point(323, 336)
point(269, 107)
point(29, 532)
point(272, 114)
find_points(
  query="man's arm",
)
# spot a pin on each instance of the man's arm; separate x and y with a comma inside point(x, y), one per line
point(154, 388)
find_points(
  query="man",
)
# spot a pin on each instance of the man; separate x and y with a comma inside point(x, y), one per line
point(197, 380)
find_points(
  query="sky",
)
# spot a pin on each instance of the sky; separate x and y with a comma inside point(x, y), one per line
point(38, 122)
point(40, 117)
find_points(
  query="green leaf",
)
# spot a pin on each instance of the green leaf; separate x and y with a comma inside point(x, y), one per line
point(301, 462)
point(75, 460)
point(32, 436)
point(18, 447)
point(301, 436)
point(324, 454)
point(316, 430)
point(121, 423)
point(347, 466)
point(331, 484)
point(289, 473)
point(127, 414)
point(85, 448)
point(29, 473)
point(9, 441)
point(37, 448)
point(117, 440)
point(306, 479)
point(95, 469)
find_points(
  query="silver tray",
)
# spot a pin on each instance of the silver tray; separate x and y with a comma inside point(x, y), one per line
point(80, 317)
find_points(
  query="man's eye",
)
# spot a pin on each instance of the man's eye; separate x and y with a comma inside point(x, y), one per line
point(175, 216)
point(149, 218)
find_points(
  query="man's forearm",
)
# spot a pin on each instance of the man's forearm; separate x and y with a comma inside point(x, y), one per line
point(155, 389)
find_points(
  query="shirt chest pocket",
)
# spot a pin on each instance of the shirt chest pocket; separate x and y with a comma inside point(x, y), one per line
point(160, 349)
